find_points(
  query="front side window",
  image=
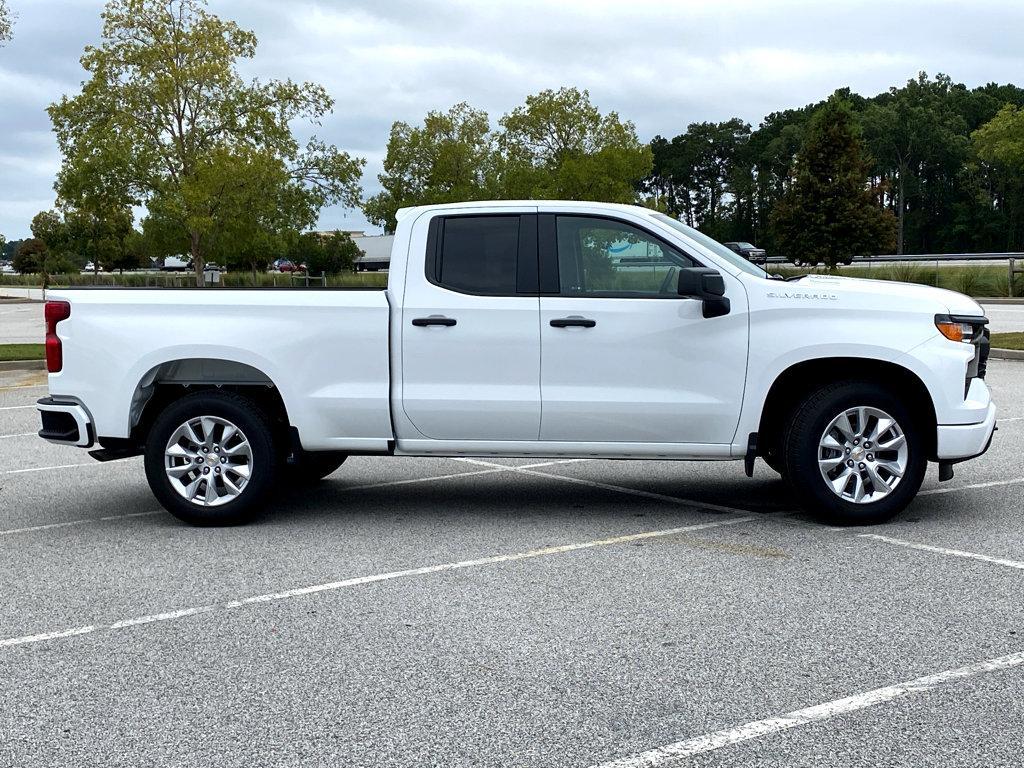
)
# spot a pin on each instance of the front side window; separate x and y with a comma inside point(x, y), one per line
point(605, 257)
point(478, 254)
point(729, 256)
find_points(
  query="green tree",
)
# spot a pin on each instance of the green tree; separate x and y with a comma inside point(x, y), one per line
point(30, 256)
point(6, 22)
point(442, 161)
point(829, 214)
point(559, 145)
point(999, 143)
point(49, 227)
point(165, 119)
point(339, 253)
point(918, 137)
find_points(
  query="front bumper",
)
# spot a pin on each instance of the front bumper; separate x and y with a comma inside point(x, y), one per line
point(966, 441)
point(65, 422)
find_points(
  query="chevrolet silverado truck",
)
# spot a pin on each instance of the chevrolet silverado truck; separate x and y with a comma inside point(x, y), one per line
point(526, 329)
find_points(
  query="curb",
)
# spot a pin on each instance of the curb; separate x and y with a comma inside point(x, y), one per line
point(998, 300)
point(22, 365)
point(1000, 354)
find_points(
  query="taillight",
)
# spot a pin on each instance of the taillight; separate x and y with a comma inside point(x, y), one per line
point(54, 313)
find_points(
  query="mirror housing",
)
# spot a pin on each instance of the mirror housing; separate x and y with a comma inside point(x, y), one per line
point(707, 285)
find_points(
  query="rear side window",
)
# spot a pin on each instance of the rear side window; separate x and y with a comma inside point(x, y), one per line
point(478, 254)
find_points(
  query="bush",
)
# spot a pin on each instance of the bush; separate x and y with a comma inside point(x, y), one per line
point(60, 264)
point(29, 256)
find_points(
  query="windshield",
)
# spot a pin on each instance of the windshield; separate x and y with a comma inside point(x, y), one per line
point(712, 245)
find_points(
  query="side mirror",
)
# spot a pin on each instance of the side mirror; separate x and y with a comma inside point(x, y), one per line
point(707, 285)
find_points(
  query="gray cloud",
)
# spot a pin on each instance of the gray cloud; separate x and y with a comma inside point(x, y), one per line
point(662, 65)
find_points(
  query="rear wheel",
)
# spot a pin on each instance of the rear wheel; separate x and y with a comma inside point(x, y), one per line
point(855, 454)
point(210, 459)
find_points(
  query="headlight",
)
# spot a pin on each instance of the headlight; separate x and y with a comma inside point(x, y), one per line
point(960, 328)
point(956, 332)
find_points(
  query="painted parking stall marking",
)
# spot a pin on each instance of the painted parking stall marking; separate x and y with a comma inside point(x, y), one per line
point(365, 580)
point(668, 755)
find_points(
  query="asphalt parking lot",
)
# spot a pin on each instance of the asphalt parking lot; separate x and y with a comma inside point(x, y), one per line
point(447, 612)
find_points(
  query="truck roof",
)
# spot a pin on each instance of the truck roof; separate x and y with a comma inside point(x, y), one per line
point(470, 204)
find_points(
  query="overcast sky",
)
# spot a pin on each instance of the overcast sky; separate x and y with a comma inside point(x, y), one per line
point(660, 64)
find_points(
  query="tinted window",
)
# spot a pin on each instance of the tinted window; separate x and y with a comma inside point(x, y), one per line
point(602, 256)
point(478, 254)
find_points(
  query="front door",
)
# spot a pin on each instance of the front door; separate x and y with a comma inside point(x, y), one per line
point(470, 336)
point(623, 357)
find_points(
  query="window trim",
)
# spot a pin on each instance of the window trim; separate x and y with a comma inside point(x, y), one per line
point(547, 248)
point(527, 259)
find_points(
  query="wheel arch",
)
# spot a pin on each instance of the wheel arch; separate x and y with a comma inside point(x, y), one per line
point(796, 382)
point(170, 380)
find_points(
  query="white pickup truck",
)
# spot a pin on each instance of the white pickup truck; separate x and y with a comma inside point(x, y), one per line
point(527, 329)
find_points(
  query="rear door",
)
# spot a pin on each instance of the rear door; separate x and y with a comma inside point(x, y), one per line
point(471, 336)
point(624, 357)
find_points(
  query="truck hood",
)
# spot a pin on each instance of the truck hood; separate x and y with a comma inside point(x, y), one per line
point(954, 303)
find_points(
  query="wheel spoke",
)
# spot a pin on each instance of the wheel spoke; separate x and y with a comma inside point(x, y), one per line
point(180, 470)
point(841, 481)
point(211, 490)
point(831, 463)
point(882, 426)
point(228, 434)
point(209, 426)
point(828, 442)
point(842, 424)
point(242, 449)
point(893, 468)
point(892, 444)
point(879, 485)
point(190, 433)
point(192, 488)
point(240, 470)
point(230, 485)
point(858, 487)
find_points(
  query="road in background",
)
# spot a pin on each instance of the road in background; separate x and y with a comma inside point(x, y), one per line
point(508, 612)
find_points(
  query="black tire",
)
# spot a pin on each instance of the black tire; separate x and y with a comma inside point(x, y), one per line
point(310, 467)
point(263, 468)
point(801, 447)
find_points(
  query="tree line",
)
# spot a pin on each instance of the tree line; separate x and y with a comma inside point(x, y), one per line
point(165, 120)
point(947, 161)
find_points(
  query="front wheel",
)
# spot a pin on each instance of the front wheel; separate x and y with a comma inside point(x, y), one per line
point(854, 454)
point(210, 459)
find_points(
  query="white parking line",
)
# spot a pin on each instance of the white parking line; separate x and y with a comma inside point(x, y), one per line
point(355, 581)
point(706, 743)
point(611, 487)
point(79, 522)
point(968, 486)
point(64, 467)
point(83, 521)
point(12, 408)
point(944, 551)
point(17, 435)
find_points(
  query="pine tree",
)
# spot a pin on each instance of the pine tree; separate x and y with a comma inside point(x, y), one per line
point(829, 213)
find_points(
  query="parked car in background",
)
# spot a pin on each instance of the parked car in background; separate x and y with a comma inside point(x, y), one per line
point(287, 265)
point(748, 251)
point(176, 264)
point(6, 268)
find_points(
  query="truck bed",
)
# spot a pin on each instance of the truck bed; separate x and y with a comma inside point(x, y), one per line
point(324, 349)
